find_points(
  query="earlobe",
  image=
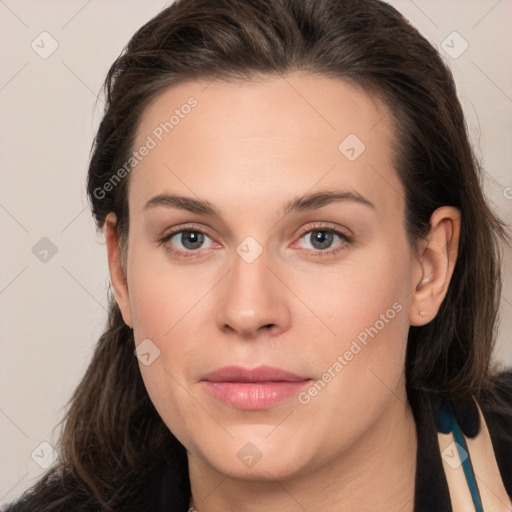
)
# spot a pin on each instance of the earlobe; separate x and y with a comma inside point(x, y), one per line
point(436, 259)
point(118, 277)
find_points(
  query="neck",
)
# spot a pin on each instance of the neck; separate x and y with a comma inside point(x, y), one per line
point(377, 473)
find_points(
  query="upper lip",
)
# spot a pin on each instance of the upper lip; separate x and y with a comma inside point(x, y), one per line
point(258, 374)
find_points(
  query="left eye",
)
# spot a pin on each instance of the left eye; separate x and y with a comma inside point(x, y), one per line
point(322, 239)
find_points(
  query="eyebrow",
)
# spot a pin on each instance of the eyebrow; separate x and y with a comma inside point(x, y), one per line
point(307, 202)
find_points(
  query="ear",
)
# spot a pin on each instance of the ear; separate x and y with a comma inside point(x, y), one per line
point(436, 258)
point(117, 274)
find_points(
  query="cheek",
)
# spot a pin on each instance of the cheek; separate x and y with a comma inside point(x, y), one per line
point(162, 295)
point(167, 310)
point(368, 287)
point(172, 400)
point(361, 356)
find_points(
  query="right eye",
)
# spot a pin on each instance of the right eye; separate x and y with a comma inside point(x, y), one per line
point(185, 242)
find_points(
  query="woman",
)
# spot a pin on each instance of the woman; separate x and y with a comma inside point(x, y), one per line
point(304, 265)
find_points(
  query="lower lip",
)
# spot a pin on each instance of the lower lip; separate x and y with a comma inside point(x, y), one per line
point(258, 395)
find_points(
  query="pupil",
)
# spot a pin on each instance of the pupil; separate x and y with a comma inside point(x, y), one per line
point(324, 237)
point(193, 237)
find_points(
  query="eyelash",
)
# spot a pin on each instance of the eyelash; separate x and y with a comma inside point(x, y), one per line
point(346, 240)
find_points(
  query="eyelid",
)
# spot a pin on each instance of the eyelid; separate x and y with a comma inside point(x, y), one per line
point(186, 227)
point(343, 232)
point(326, 226)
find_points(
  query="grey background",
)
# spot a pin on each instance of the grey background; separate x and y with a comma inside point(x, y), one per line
point(53, 311)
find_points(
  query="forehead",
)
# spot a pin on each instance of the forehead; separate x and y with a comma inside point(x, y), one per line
point(249, 139)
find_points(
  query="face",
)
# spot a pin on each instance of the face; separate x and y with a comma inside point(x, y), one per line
point(269, 275)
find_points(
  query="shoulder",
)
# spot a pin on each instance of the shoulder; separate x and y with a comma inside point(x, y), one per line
point(496, 404)
point(55, 494)
point(49, 494)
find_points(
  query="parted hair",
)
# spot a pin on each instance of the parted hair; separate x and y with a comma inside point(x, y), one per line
point(111, 433)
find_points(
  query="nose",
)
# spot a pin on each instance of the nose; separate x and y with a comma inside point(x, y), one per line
point(253, 300)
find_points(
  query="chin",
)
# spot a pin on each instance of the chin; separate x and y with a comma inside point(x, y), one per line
point(254, 455)
point(269, 468)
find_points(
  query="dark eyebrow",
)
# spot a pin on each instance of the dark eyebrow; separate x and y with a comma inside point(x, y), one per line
point(182, 203)
point(320, 199)
point(303, 203)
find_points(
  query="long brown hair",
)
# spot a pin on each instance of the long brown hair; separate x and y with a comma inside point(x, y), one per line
point(112, 434)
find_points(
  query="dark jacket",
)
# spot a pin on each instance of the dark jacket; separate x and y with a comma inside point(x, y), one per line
point(168, 487)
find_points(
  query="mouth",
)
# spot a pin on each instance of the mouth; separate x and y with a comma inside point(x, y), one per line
point(253, 389)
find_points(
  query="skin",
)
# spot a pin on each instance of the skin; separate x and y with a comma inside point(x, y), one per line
point(248, 148)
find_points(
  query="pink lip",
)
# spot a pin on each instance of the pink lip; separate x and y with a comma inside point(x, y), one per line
point(259, 388)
